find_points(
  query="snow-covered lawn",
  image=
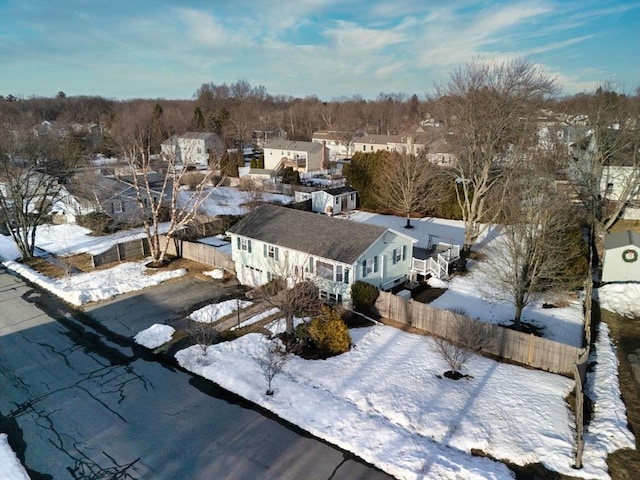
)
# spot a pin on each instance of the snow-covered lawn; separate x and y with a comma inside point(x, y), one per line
point(386, 401)
point(83, 288)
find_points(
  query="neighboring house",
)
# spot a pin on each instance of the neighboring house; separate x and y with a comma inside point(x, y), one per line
point(275, 241)
point(439, 153)
point(97, 193)
point(301, 156)
point(331, 201)
point(369, 143)
point(337, 143)
point(195, 149)
point(621, 260)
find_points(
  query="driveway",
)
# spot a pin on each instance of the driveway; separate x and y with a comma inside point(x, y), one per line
point(166, 303)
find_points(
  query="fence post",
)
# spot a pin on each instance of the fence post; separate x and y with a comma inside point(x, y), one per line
point(579, 419)
point(530, 355)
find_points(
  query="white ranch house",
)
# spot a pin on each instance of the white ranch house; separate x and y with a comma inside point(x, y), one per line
point(275, 241)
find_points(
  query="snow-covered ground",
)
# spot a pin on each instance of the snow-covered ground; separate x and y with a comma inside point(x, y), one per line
point(383, 400)
point(474, 294)
point(386, 401)
point(215, 311)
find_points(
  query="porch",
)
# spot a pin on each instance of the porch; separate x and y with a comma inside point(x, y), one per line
point(436, 260)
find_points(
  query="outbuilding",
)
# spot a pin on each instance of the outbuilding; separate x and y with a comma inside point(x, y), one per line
point(621, 260)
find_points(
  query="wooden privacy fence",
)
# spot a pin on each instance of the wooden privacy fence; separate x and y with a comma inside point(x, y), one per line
point(122, 251)
point(200, 252)
point(523, 348)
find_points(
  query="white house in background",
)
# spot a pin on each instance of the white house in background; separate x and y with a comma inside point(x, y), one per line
point(622, 183)
point(337, 143)
point(331, 201)
point(369, 143)
point(274, 241)
point(301, 156)
point(193, 148)
point(621, 260)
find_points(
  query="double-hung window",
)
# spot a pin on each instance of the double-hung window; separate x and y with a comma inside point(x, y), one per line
point(244, 244)
point(399, 254)
point(369, 266)
point(271, 251)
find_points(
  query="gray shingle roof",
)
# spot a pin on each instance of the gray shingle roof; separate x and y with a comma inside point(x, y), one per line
point(621, 239)
point(340, 190)
point(316, 234)
point(294, 145)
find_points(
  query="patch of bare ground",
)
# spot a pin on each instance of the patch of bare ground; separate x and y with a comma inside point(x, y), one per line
point(428, 294)
point(625, 333)
point(81, 262)
point(44, 267)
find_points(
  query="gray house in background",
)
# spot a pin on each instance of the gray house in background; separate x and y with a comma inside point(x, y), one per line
point(621, 260)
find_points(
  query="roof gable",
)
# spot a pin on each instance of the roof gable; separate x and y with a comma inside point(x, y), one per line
point(326, 237)
point(622, 239)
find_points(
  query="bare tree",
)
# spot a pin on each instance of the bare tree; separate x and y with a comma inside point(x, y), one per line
point(540, 249)
point(203, 334)
point(32, 171)
point(291, 290)
point(401, 184)
point(470, 337)
point(488, 109)
point(252, 193)
point(609, 156)
point(179, 193)
point(272, 360)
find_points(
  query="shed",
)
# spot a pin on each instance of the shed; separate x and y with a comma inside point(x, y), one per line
point(621, 260)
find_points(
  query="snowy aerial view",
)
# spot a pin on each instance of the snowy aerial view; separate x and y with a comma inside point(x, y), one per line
point(386, 400)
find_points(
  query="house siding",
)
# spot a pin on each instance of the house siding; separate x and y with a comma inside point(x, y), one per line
point(254, 268)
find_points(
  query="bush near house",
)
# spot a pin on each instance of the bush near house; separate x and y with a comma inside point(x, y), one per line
point(363, 296)
point(327, 333)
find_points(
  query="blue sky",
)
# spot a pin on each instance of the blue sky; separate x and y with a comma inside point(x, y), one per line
point(328, 48)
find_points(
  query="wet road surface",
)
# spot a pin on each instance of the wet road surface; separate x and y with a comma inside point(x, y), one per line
point(77, 403)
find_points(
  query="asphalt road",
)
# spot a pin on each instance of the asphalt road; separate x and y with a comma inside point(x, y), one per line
point(78, 402)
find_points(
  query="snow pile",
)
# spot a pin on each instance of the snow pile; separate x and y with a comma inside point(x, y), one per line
point(154, 336)
point(386, 401)
point(89, 287)
point(10, 466)
point(621, 298)
point(217, 274)
point(607, 431)
point(216, 311)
